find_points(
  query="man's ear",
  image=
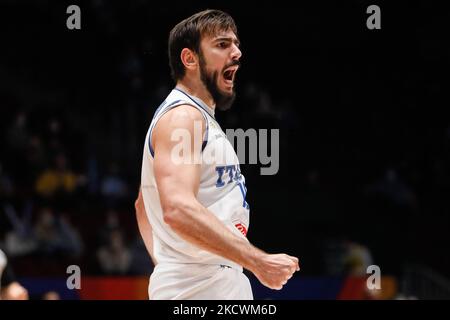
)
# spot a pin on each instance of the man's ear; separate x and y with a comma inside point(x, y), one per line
point(189, 59)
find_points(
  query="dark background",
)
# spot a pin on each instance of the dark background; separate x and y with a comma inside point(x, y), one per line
point(364, 132)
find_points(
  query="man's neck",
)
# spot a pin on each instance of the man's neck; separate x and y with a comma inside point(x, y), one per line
point(196, 89)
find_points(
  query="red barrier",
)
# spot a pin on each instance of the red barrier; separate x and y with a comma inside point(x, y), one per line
point(114, 288)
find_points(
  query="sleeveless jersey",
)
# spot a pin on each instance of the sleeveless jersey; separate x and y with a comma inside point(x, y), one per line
point(222, 188)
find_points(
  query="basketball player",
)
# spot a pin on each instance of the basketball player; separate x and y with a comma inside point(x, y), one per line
point(197, 210)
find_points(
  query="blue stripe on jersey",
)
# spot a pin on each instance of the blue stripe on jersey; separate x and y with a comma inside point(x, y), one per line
point(205, 138)
point(244, 194)
point(154, 116)
point(208, 112)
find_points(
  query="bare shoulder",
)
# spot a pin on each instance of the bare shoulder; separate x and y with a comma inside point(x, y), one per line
point(181, 117)
point(181, 114)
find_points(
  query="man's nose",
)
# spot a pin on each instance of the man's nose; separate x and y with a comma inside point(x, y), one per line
point(236, 53)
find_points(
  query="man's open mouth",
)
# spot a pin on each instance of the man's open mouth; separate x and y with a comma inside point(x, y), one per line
point(229, 74)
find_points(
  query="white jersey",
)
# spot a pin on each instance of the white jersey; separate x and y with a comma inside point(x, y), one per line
point(222, 189)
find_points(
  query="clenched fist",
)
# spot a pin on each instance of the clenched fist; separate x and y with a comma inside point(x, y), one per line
point(274, 270)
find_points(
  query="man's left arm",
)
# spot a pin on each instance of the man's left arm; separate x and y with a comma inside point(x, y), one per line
point(144, 225)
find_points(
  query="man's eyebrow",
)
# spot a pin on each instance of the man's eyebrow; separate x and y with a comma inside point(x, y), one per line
point(229, 39)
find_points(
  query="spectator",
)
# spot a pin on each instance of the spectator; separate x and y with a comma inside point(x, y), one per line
point(357, 259)
point(71, 242)
point(114, 258)
point(51, 295)
point(20, 240)
point(55, 235)
point(46, 231)
point(113, 187)
point(345, 257)
point(57, 179)
point(111, 224)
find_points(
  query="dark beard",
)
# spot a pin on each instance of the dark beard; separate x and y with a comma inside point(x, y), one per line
point(223, 101)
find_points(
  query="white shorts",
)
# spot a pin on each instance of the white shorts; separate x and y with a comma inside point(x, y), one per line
point(198, 282)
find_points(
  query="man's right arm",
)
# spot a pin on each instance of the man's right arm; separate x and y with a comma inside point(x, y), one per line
point(178, 183)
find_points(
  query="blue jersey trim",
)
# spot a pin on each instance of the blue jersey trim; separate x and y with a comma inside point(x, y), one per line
point(198, 104)
point(154, 116)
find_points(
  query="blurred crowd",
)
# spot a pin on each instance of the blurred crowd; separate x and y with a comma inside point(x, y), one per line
point(59, 200)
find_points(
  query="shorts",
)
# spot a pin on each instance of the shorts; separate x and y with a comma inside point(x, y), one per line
point(198, 282)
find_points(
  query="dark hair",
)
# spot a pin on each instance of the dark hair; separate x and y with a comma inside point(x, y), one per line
point(189, 32)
